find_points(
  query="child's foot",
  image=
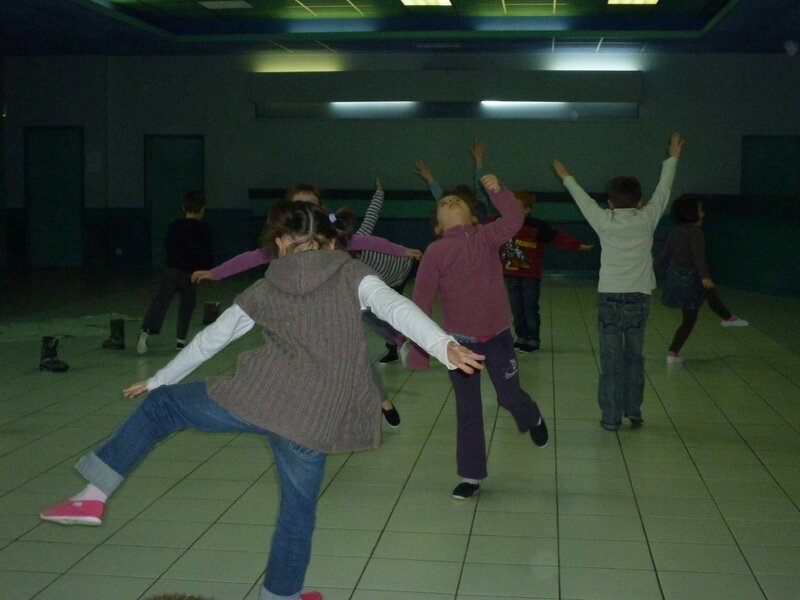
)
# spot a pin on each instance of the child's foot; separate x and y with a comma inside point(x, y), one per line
point(636, 422)
point(673, 358)
point(311, 596)
point(390, 356)
point(391, 416)
point(609, 426)
point(141, 343)
point(465, 490)
point(539, 433)
point(180, 344)
point(526, 347)
point(75, 512)
point(734, 321)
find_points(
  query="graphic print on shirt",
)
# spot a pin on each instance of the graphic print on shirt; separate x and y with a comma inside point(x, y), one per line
point(512, 255)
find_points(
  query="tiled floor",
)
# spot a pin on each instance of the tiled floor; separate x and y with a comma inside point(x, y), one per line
point(700, 503)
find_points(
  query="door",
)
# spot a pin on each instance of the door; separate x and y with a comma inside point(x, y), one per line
point(54, 195)
point(174, 165)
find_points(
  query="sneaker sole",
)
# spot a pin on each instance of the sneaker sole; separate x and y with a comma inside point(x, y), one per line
point(73, 520)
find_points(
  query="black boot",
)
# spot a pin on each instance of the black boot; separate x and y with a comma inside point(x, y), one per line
point(49, 360)
point(117, 339)
point(210, 312)
point(390, 356)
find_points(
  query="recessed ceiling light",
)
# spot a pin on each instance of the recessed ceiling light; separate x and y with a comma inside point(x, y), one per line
point(633, 1)
point(426, 2)
point(224, 4)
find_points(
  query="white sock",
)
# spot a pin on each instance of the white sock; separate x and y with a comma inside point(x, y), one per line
point(90, 492)
point(472, 481)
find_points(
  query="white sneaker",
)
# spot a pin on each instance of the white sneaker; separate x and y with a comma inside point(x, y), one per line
point(141, 343)
point(674, 359)
point(734, 321)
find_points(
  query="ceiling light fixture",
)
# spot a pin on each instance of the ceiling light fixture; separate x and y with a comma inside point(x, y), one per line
point(224, 4)
point(633, 1)
point(426, 2)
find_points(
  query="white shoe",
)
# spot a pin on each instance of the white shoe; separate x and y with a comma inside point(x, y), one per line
point(141, 343)
point(734, 321)
point(674, 359)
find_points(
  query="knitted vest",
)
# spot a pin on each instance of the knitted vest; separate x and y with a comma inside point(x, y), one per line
point(310, 380)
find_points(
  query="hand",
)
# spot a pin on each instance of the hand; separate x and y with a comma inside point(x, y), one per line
point(491, 183)
point(424, 171)
point(560, 168)
point(414, 253)
point(708, 283)
point(675, 145)
point(199, 276)
point(464, 358)
point(135, 389)
point(478, 151)
point(586, 247)
point(378, 185)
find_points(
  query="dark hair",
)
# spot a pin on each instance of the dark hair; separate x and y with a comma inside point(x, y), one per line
point(624, 191)
point(687, 209)
point(526, 197)
point(303, 187)
point(194, 201)
point(306, 222)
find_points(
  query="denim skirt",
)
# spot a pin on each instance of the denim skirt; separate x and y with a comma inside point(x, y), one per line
point(683, 288)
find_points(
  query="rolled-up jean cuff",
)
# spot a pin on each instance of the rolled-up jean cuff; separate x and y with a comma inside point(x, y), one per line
point(98, 473)
point(267, 595)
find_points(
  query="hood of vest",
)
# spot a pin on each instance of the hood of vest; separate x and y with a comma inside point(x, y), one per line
point(303, 272)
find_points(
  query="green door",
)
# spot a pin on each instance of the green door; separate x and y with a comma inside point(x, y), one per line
point(174, 165)
point(54, 195)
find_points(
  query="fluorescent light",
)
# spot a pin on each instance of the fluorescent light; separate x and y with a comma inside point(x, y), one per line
point(426, 2)
point(224, 4)
point(372, 110)
point(633, 1)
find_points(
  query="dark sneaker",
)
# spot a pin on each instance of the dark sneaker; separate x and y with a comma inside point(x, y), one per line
point(389, 357)
point(392, 417)
point(526, 348)
point(609, 426)
point(179, 345)
point(465, 490)
point(539, 434)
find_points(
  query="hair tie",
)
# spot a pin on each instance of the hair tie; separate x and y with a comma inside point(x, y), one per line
point(332, 218)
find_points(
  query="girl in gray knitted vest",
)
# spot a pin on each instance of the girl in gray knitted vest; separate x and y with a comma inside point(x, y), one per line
point(303, 390)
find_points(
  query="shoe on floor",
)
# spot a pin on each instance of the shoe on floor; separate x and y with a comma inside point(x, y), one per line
point(391, 416)
point(180, 344)
point(636, 422)
point(141, 343)
point(609, 426)
point(673, 358)
point(734, 321)
point(465, 490)
point(75, 512)
point(526, 348)
point(311, 596)
point(539, 434)
point(389, 357)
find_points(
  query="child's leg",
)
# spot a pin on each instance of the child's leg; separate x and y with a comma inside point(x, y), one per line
point(531, 287)
point(159, 304)
point(188, 300)
point(301, 470)
point(470, 440)
point(716, 304)
point(684, 329)
point(517, 303)
point(611, 384)
point(635, 322)
point(501, 363)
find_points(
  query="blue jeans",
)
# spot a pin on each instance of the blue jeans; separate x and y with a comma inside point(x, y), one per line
point(171, 408)
point(621, 321)
point(523, 296)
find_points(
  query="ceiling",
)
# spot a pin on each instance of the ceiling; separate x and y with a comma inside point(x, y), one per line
point(131, 27)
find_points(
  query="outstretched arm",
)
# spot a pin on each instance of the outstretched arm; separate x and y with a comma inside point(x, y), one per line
point(373, 210)
point(407, 318)
point(230, 326)
point(424, 171)
point(238, 264)
point(478, 151)
point(586, 204)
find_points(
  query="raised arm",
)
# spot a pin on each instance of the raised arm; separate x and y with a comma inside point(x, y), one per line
point(586, 204)
point(373, 210)
point(511, 216)
point(407, 318)
point(238, 264)
point(478, 151)
point(660, 197)
point(424, 170)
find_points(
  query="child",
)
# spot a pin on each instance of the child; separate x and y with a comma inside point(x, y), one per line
point(261, 256)
point(189, 246)
point(463, 269)
point(626, 281)
point(301, 389)
point(689, 282)
point(522, 258)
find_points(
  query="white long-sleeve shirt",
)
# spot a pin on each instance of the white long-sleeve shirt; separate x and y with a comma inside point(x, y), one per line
point(373, 294)
point(626, 235)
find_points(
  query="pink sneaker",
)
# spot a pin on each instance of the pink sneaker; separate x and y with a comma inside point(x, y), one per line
point(311, 596)
point(75, 512)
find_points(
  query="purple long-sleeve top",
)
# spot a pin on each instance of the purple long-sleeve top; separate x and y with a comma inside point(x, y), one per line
point(462, 268)
point(261, 256)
